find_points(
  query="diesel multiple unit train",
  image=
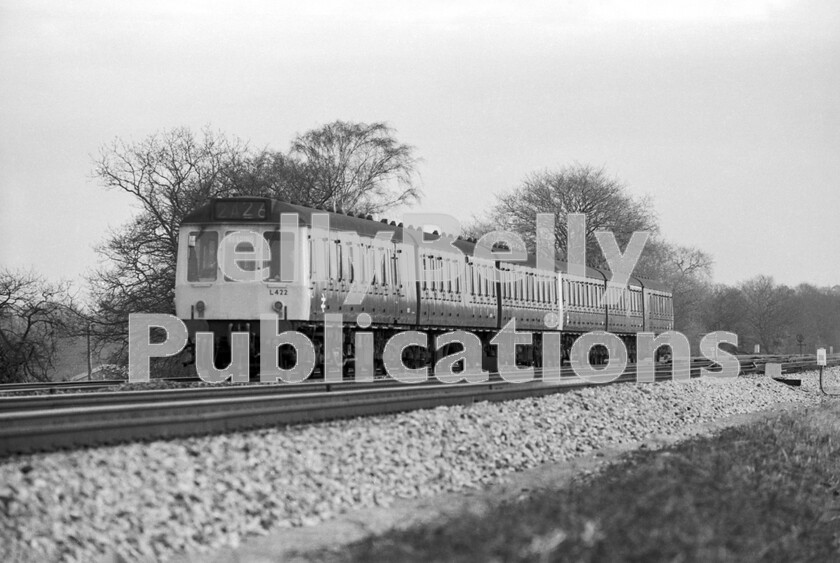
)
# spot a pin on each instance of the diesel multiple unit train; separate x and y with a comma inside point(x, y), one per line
point(310, 271)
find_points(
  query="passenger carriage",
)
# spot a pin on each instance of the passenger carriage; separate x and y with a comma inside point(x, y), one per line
point(312, 269)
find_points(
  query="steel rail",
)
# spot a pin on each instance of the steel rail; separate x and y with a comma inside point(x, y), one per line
point(79, 400)
point(44, 430)
point(54, 386)
point(71, 427)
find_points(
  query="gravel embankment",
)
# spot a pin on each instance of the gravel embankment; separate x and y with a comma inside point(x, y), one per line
point(150, 501)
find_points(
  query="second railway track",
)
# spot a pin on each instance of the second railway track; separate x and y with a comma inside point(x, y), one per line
point(50, 422)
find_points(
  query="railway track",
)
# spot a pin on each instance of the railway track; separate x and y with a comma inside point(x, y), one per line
point(49, 422)
point(83, 400)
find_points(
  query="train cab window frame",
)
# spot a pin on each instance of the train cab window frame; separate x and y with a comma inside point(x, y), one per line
point(203, 261)
point(274, 260)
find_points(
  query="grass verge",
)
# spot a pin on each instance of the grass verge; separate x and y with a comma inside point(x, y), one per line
point(769, 491)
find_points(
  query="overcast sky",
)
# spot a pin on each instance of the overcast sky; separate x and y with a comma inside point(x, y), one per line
point(726, 113)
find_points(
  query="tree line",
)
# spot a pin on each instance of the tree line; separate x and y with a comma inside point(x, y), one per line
point(361, 168)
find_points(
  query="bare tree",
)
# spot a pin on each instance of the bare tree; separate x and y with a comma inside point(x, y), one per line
point(34, 316)
point(357, 167)
point(768, 311)
point(272, 174)
point(573, 189)
point(688, 272)
point(725, 309)
point(168, 174)
point(816, 316)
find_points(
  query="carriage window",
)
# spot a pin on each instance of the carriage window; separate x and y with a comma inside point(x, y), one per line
point(457, 282)
point(456, 279)
point(383, 270)
point(339, 261)
point(312, 262)
point(202, 263)
point(475, 289)
point(515, 286)
point(349, 256)
point(334, 254)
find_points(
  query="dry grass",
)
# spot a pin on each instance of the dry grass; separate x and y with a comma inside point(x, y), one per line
point(769, 491)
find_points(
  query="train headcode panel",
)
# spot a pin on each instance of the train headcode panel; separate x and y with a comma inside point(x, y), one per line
point(254, 210)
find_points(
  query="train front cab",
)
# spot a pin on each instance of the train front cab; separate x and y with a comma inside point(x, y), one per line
point(208, 300)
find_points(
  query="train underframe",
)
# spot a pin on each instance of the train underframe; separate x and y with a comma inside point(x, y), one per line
point(413, 356)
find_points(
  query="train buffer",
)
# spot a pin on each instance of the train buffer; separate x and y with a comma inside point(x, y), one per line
point(774, 371)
